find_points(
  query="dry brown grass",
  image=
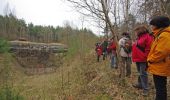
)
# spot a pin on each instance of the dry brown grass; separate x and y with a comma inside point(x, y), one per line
point(81, 78)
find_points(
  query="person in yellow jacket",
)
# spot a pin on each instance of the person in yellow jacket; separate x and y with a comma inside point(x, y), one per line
point(159, 55)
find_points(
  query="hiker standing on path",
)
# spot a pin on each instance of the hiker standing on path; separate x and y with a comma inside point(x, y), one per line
point(112, 48)
point(125, 53)
point(109, 51)
point(98, 50)
point(104, 47)
point(140, 50)
point(159, 55)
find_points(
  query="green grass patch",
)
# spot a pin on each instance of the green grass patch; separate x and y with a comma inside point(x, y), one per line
point(8, 94)
point(103, 97)
point(4, 45)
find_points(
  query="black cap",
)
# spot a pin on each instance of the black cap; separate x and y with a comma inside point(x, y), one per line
point(125, 33)
point(160, 21)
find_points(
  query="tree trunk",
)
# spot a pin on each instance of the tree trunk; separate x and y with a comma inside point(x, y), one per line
point(103, 2)
point(127, 15)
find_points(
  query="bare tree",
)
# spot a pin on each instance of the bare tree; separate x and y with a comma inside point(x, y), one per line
point(114, 14)
point(149, 8)
point(101, 10)
point(165, 7)
point(92, 9)
point(126, 14)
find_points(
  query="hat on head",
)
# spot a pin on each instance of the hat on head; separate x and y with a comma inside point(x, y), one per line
point(160, 21)
point(125, 34)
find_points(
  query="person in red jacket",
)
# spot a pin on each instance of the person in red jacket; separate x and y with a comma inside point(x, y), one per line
point(112, 48)
point(98, 50)
point(140, 51)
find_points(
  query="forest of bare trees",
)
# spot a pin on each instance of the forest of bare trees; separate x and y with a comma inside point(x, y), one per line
point(117, 16)
point(121, 15)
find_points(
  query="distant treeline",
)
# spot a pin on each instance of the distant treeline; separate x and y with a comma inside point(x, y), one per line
point(13, 28)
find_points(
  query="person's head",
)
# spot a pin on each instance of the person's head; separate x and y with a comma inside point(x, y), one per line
point(97, 44)
point(125, 34)
point(159, 22)
point(112, 39)
point(141, 30)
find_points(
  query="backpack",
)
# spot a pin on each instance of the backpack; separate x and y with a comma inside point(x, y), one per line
point(127, 45)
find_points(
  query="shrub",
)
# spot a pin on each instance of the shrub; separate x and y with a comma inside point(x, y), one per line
point(4, 45)
point(8, 94)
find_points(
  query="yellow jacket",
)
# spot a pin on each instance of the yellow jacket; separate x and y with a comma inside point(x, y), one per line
point(159, 55)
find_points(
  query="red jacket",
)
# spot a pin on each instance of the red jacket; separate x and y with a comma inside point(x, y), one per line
point(99, 50)
point(141, 48)
point(112, 48)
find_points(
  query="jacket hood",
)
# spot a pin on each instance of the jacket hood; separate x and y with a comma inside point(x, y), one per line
point(157, 31)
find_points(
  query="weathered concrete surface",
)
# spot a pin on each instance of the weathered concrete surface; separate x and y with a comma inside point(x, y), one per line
point(38, 58)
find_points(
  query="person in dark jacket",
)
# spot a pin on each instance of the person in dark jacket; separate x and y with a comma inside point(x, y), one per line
point(104, 48)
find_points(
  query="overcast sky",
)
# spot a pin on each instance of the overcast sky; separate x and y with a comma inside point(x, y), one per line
point(45, 12)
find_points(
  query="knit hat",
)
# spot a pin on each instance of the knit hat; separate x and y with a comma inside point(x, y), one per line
point(160, 21)
point(125, 34)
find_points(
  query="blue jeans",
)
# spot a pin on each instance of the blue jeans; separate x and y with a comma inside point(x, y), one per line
point(113, 61)
point(143, 76)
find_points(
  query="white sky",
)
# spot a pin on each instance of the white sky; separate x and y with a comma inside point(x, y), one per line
point(45, 12)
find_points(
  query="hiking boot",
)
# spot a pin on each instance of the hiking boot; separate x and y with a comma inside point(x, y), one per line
point(145, 93)
point(137, 86)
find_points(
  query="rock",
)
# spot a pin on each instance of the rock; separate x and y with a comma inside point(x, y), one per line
point(38, 58)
